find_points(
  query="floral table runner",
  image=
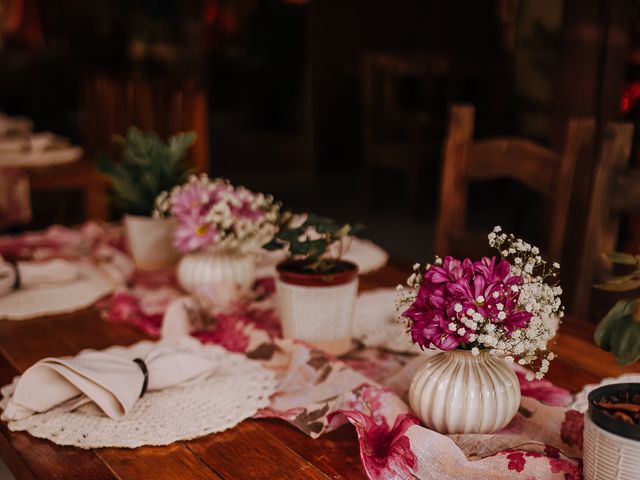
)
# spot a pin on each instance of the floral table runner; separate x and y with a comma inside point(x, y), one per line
point(366, 388)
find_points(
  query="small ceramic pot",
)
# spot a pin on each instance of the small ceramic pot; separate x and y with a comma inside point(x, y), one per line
point(457, 392)
point(214, 268)
point(611, 447)
point(318, 308)
point(150, 241)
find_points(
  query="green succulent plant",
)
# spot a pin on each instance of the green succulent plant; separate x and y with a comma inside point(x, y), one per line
point(148, 166)
point(619, 331)
point(309, 244)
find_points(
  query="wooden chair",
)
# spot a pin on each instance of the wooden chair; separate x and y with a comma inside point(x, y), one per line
point(401, 133)
point(615, 191)
point(543, 170)
point(111, 105)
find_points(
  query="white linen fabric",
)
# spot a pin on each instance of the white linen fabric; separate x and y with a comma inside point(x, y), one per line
point(51, 288)
point(7, 278)
point(376, 323)
point(580, 400)
point(110, 381)
point(194, 390)
point(36, 274)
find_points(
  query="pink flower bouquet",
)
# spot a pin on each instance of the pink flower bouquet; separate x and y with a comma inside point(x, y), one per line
point(507, 304)
point(212, 213)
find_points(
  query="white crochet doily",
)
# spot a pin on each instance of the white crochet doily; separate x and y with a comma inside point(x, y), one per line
point(376, 325)
point(235, 392)
point(367, 255)
point(91, 285)
point(580, 400)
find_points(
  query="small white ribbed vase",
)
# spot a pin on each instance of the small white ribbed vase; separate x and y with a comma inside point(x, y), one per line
point(200, 269)
point(456, 392)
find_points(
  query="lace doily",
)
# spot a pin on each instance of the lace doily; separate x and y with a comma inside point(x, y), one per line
point(580, 400)
point(367, 255)
point(375, 322)
point(235, 392)
point(90, 286)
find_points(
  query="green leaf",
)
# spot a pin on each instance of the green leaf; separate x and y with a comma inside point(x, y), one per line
point(625, 342)
point(105, 164)
point(619, 332)
point(608, 324)
point(273, 245)
point(147, 167)
point(357, 229)
point(619, 286)
point(291, 235)
point(621, 258)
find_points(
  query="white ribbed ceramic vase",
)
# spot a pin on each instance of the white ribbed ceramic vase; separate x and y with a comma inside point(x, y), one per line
point(150, 241)
point(456, 392)
point(209, 267)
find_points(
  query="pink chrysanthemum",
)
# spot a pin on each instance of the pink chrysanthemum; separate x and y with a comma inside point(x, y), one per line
point(455, 293)
point(192, 234)
point(193, 200)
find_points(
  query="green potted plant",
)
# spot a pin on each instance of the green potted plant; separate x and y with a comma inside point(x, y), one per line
point(148, 166)
point(316, 289)
point(611, 425)
point(619, 331)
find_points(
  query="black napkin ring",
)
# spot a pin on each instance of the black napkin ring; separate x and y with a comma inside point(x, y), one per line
point(145, 372)
point(17, 283)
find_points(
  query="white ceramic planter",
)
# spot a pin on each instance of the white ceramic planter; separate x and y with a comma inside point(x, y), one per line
point(608, 456)
point(150, 241)
point(201, 269)
point(456, 392)
point(611, 449)
point(318, 313)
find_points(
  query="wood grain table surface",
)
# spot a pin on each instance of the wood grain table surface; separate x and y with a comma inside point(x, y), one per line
point(255, 449)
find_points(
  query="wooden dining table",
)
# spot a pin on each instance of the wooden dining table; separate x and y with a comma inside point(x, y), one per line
point(255, 449)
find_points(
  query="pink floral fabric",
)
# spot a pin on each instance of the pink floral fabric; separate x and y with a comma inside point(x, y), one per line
point(366, 388)
point(319, 393)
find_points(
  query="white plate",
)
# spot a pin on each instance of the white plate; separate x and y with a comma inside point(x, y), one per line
point(43, 159)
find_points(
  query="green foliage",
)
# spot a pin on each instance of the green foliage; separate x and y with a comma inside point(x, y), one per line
point(309, 243)
point(148, 166)
point(622, 283)
point(619, 332)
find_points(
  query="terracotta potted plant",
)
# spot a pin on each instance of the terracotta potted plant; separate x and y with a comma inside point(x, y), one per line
point(219, 229)
point(316, 289)
point(612, 433)
point(481, 315)
point(148, 166)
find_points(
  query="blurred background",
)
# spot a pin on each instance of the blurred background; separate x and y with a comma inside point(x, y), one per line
point(339, 107)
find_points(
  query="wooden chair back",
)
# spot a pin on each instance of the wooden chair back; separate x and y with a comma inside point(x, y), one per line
point(615, 191)
point(543, 170)
point(113, 104)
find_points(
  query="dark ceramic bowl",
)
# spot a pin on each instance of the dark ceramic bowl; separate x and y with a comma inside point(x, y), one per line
point(607, 422)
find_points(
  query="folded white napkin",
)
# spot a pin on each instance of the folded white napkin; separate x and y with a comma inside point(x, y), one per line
point(36, 274)
point(112, 382)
